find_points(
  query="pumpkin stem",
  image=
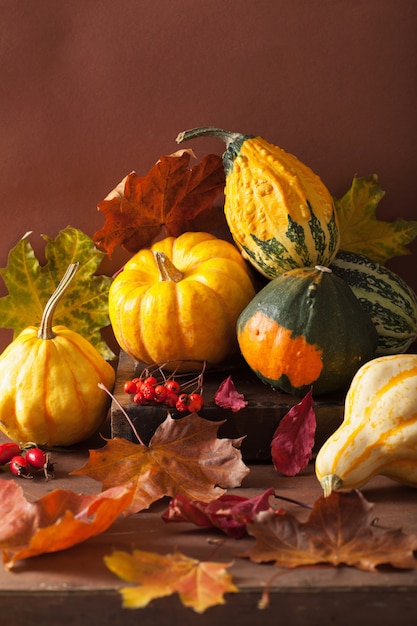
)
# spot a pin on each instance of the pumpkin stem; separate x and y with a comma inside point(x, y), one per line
point(232, 140)
point(330, 483)
point(45, 329)
point(167, 269)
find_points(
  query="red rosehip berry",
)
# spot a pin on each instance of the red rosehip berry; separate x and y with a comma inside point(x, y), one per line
point(148, 391)
point(7, 451)
point(129, 387)
point(195, 402)
point(171, 398)
point(150, 380)
point(36, 458)
point(182, 403)
point(160, 392)
point(20, 467)
point(173, 385)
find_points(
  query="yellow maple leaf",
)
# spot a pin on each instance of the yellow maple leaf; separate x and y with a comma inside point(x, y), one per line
point(199, 584)
point(360, 230)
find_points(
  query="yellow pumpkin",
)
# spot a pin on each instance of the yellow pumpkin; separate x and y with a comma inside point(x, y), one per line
point(179, 301)
point(378, 434)
point(49, 379)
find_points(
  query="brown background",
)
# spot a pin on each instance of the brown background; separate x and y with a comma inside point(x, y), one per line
point(92, 89)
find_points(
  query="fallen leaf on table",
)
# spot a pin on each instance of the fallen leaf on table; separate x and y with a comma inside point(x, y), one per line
point(57, 521)
point(229, 513)
point(227, 396)
point(361, 232)
point(184, 457)
point(293, 440)
point(164, 202)
point(199, 584)
point(84, 309)
point(338, 531)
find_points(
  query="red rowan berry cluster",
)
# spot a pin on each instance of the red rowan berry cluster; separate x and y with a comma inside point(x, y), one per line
point(23, 460)
point(147, 389)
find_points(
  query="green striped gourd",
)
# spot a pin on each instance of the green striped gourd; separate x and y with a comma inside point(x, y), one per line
point(389, 301)
point(279, 212)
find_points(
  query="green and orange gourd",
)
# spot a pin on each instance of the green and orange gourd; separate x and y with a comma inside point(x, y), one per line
point(306, 329)
point(279, 212)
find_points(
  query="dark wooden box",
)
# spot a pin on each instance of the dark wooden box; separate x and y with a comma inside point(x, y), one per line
point(257, 421)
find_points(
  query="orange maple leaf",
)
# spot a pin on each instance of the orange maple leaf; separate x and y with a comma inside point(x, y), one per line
point(56, 521)
point(184, 457)
point(165, 201)
point(200, 584)
point(337, 531)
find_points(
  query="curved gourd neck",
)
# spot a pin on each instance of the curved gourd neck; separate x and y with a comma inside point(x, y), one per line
point(45, 329)
point(232, 140)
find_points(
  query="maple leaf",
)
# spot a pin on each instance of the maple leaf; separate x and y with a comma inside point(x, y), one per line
point(227, 396)
point(164, 202)
point(361, 232)
point(338, 531)
point(293, 440)
point(184, 456)
point(57, 521)
point(84, 309)
point(199, 584)
point(229, 513)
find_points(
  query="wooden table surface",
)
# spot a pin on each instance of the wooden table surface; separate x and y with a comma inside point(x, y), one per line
point(75, 587)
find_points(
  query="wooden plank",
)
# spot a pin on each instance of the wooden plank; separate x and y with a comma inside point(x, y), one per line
point(257, 421)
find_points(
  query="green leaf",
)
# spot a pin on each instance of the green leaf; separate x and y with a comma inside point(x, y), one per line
point(83, 309)
point(361, 232)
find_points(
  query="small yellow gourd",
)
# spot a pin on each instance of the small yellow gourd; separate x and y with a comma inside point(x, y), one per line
point(49, 379)
point(378, 435)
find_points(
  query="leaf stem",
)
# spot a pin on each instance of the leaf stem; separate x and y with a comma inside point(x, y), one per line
point(109, 393)
point(297, 502)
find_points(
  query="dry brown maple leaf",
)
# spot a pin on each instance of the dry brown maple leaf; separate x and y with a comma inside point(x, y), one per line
point(57, 521)
point(200, 584)
point(184, 456)
point(164, 202)
point(338, 531)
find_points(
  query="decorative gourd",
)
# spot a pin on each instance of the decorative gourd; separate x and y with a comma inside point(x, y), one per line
point(306, 328)
point(390, 302)
point(279, 212)
point(378, 434)
point(179, 301)
point(49, 382)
